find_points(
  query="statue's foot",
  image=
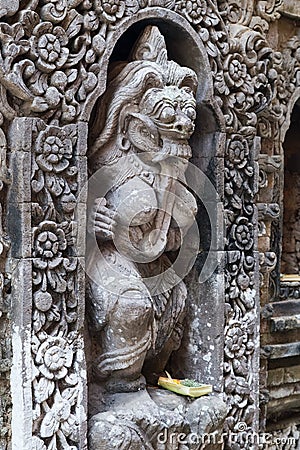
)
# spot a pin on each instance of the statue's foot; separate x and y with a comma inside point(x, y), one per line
point(146, 424)
point(108, 432)
point(160, 420)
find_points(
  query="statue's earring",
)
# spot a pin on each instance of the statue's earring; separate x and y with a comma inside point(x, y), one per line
point(123, 142)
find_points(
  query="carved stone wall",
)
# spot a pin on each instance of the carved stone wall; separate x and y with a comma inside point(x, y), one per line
point(53, 67)
point(279, 335)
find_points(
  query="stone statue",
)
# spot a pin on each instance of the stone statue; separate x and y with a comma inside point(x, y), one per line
point(136, 300)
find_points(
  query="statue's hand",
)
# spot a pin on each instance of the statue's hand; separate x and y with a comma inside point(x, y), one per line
point(102, 220)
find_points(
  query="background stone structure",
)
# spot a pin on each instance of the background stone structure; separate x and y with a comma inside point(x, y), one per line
point(53, 67)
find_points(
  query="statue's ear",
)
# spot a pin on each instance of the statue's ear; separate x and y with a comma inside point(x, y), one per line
point(142, 132)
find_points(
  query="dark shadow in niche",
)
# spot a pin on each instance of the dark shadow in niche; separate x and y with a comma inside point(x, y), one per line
point(290, 262)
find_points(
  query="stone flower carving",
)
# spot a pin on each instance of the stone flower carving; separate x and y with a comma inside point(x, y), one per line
point(54, 358)
point(238, 151)
point(242, 233)
point(235, 342)
point(110, 10)
point(59, 419)
point(49, 47)
point(235, 73)
point(49, 242)
point(193, 10)
point(54, 149)
point(43, 301)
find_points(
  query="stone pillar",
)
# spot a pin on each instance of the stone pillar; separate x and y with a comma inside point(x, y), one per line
point(46, 223)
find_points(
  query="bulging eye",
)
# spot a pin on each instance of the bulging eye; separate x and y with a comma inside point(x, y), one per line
point(167, 114)
point(190, 112)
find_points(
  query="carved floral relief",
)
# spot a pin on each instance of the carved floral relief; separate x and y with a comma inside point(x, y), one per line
point(50, 60)
point(56, 343)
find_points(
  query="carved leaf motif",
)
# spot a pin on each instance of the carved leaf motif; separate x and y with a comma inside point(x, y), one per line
point(236, 201)
point(70, 394)
point(43, 390)
point(38, 444)
point(234, 291)
point(55, 11)
point(132, 7)
point(29, 20)
point(71, 379)
point(73, 23)
point(38, 183)
point(39, 320)
point(39, 104)
point(57, 281)
point(53, 444)
point(68, 426)
point(14, 80)
point(39, 83)
point(55, 184)
point(49, 425)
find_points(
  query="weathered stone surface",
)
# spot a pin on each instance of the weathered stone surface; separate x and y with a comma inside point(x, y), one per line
point(203, 342)
point(291, 8)
point(285, 323)
point(155, 313)
point(286, 375)
point(53, 67)
point(277, 351)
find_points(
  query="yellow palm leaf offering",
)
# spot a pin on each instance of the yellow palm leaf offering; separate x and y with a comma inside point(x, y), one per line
point(186, 387)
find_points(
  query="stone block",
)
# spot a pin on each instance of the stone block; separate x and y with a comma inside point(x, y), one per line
point(19, 229)
point(208, 145)
point(80, 291)
point(82, 139)
point(20, 187)
point(210, 219)
point(21, 343)
point(203, 340)
point(82, 179)
point(20, 134)
point(275, 377)
point(81, 221)
point(212, 186)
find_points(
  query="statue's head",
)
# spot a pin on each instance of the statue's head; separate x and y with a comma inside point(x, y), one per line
point(149, 104)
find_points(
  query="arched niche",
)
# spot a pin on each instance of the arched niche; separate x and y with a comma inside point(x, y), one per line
point(290, 258)
point(201, 355)
point(184, 46)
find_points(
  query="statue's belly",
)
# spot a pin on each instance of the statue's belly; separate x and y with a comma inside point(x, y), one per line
point(135, 202)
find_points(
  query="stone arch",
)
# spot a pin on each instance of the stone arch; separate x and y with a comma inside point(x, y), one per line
point(177, 30)
point(208, 144)
point(287, 122)
point(290, 188)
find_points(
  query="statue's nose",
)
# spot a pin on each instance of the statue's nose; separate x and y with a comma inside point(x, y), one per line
point(183, 124)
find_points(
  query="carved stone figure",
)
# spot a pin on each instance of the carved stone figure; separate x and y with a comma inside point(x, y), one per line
point(150, 112)
point(136, 300)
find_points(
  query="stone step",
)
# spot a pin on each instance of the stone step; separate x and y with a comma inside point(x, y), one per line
point(285, 323)
point(285, 307)
point(289, 290)
point(277, 406)
point(278, 351)
point(283, 375)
